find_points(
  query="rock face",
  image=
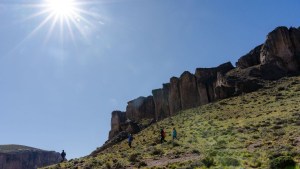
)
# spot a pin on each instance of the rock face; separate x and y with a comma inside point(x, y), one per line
point(140, 108)
point(188, 91)
point(22, 157)
point(208, 79)
point(250, 59)
point(161, 97)
point(174, 96)
point(277, 57)
point(281, 49)
point(117, 118)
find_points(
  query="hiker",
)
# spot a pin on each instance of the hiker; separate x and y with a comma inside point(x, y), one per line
point(162, 135)
point(63, 155)
point(130, 139)
point(174, 134)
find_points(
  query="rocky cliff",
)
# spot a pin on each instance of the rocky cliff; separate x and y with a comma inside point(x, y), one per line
point(278, 56)
point(22, 157)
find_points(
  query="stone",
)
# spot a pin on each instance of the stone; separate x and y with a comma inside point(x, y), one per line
point(188, 91)
point(160, 97)
point(279, 50)
point(295, 38)
point(117, 118)
point(224, 88)
point(250, 59)
point(207, 82)
point(141, 108)
point(174, 96)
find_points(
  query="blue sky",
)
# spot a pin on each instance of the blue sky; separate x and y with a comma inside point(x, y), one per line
point(58, 90)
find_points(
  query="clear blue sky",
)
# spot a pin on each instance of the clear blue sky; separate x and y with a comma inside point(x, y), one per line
point(58, 89)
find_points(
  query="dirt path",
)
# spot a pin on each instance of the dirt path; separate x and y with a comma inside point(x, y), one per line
point(165, 160)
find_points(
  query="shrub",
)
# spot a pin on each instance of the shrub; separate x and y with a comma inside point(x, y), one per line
point(228, 161)
point(195, 151)
point(208, 161)
point(175, 144)
point(196, 164)
point(255, 164)
point(142, 164)
point(157, 152)
point(282, 162)
point(118, 165)
point(134, 157)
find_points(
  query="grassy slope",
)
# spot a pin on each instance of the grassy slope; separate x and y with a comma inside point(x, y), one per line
point(239, 132)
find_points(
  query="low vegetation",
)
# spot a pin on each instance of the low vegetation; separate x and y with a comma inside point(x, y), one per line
point(255, 130)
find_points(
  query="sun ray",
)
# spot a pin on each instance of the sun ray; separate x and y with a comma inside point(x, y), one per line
point(43, 23)
point(51, 29)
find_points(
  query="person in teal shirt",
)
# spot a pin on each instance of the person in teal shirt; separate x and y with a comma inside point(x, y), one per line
point(174, 134)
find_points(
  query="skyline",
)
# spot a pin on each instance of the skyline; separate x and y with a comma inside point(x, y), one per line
point(59, 93)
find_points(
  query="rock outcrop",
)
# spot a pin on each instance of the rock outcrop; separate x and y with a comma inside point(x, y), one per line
point(277, 57)
point(22, 157)
point(280, 49)
point(117, 118)
point(140, 108)
point(174, 96)
point(250, 59)
point(188, 91)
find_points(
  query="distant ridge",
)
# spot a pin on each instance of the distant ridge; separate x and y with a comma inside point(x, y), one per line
point(23, 157)
point(16, 148)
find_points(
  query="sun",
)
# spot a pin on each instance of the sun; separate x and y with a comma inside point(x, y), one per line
point(68, 19)
point(62, 8)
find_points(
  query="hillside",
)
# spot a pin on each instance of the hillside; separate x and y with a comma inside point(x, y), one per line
point(277, 57)
point(253, 130)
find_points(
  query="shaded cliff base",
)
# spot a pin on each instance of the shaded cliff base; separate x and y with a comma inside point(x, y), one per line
point(277, 57)
point(24, 157)
point(260, 129)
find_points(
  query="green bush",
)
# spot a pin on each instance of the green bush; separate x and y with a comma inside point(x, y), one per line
point(157, 152)
point(208, 161)
point(134, 157)
point(282, 162)
point(228, 161)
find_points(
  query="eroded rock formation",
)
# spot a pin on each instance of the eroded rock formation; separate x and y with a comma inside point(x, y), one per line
point(277, 57)
point(22, 157)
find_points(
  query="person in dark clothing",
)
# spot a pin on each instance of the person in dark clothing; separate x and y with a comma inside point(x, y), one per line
point(130, 139)
point(63, 155)
point(162, 136)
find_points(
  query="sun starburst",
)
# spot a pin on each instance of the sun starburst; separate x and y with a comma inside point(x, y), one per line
point(68, 17)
